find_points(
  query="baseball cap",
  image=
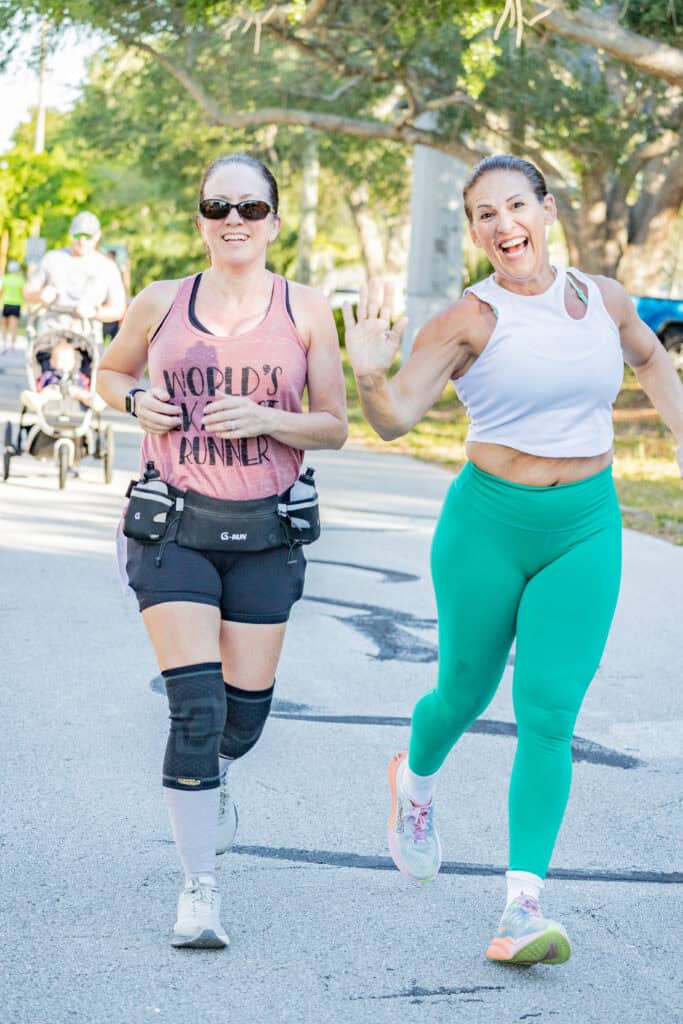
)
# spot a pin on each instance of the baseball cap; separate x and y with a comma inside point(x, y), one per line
point(84, 223)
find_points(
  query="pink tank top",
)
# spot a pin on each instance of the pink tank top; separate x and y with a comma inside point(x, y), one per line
point(266, 364)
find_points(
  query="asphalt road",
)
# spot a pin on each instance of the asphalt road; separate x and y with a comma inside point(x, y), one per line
point(323, 928)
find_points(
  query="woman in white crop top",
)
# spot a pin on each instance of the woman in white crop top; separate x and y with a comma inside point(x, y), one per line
point(528, 545)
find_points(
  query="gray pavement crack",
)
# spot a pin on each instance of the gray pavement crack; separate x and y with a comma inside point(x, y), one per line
point(387, 628)
point(417, 991)
point(582, 749)
point(370, 862)
point(390, 575)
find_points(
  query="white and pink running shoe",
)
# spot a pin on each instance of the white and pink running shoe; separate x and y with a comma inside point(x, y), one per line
point(414, 843)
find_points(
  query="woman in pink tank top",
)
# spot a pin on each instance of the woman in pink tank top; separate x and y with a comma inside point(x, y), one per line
point(229, 353)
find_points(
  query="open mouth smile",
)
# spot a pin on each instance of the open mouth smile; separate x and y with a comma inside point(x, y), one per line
point(514, 246)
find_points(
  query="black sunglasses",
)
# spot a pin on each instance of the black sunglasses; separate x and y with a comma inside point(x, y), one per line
point(248, 209)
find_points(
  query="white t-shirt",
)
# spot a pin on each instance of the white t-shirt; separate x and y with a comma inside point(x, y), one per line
point(91, 280)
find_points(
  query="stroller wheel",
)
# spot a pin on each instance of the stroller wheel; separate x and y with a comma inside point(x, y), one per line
point(108, 454)
point(22, 427)
point(8, 450)
point(63, 462)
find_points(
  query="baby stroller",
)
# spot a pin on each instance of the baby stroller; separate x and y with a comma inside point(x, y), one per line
point(60, 409)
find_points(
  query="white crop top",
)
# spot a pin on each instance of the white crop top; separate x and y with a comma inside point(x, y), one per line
point(544, 383)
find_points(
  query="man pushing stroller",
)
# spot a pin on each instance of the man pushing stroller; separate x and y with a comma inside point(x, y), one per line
point(80, 279)
point(74, 291)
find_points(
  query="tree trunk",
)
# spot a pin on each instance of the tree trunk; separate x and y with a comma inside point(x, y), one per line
point(309, 208)
point(643, 268)
point(398, 249)
point(594, 258)
point(570, 222)
point(371, 242)
point(398, 246)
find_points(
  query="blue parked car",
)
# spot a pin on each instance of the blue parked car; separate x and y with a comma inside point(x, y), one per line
point(665, 318)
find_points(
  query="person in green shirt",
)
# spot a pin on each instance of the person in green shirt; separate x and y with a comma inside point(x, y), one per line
point(11, 288)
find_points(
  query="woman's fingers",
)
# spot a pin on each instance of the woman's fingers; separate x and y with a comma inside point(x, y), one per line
point(231, 402)
point(156, 400)
point(230, 415)
point(375, 302)
point(347, 316)
point(157, 417)
point(375, 296)
point(387, 303)
point(163, 427)
point(218, 416)
point(362, 312)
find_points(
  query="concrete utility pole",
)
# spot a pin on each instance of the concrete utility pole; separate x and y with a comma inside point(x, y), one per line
point(437, 222)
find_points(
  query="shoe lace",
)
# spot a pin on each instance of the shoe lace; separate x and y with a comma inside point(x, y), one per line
point(524, 905)
point(202, 892)
point(418, 816)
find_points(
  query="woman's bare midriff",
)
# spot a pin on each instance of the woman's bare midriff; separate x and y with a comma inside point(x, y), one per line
point(533, 470)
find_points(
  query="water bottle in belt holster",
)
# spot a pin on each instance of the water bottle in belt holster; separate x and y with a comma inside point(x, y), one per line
point(300, 510)
point(149, 507)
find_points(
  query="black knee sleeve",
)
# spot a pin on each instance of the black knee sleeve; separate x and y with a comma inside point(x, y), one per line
point(196, 699)
point(246, 715)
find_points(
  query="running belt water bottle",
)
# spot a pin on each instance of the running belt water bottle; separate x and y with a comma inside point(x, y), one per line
point(146, 517)
point(301, 510)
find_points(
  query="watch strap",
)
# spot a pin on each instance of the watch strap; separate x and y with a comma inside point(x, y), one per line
point(130, 400)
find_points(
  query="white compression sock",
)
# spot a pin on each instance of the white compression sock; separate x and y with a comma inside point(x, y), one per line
point(194, 820)
point(523, 883)
point(418, 787)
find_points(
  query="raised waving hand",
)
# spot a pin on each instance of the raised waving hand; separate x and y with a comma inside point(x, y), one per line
point(371, 340)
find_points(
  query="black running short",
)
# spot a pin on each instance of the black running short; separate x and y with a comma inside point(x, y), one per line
point(9, 310)
point(247, 586)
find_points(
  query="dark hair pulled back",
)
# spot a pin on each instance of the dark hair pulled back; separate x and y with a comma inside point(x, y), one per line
point(505, 162)
point(248, 161)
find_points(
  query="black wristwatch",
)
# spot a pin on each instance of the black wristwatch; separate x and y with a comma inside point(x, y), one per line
point(130, 400)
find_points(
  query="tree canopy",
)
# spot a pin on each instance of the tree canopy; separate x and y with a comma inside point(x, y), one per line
point(588, 90)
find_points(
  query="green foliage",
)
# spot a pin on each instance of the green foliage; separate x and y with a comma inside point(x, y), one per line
point(147, 145)
point(136, 144)
point(660, 19)
point(40, 191)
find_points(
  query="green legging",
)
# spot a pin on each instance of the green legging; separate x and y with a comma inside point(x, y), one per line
point(541, 564)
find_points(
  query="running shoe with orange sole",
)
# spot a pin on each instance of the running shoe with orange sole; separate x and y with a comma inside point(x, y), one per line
point(414, 843)
point(526, 937)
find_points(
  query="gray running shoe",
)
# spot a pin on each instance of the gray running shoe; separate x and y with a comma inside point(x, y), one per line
point(414, 843)
point(526, 937)
point(199, 924)
point(227, 818)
